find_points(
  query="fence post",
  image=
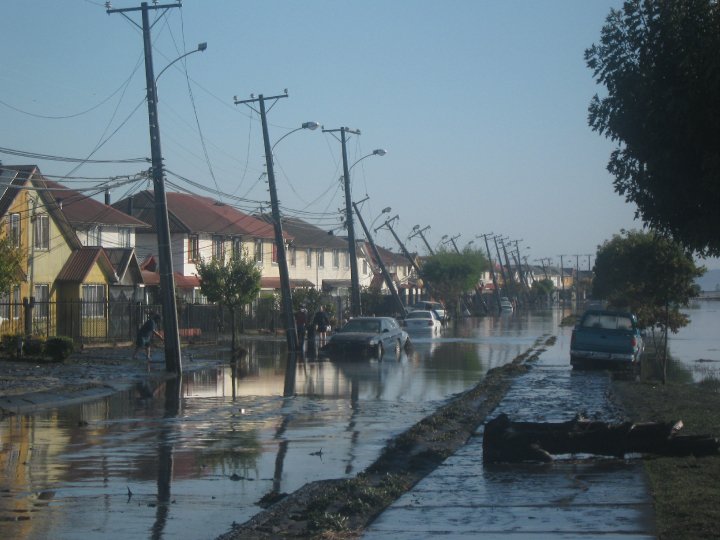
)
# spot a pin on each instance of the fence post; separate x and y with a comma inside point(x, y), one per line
point(28, 306)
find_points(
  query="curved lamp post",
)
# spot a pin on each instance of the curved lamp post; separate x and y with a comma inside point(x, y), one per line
point(354, 275)
point(285, 290)
point(306, 125)
point(173, 359)
point(200, 48)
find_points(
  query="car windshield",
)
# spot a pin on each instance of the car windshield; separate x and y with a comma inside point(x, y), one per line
point(362, 325)
point(419, 315)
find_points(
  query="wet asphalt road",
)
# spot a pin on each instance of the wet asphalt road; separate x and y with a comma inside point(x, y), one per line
point(597, 498)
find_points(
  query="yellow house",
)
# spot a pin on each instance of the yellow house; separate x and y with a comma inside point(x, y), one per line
point(67, 272)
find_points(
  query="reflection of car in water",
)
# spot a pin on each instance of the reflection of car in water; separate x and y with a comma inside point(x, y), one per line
point(367, 337)
point(422, 321)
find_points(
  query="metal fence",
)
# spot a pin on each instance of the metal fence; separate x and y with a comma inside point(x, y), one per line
point(113, 322)
point(117, 320)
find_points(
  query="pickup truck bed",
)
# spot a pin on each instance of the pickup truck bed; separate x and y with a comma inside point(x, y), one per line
point(606, 339)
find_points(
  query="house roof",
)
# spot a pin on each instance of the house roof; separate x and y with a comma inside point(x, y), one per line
point(123, 260)
point(81, 209)
point(81, 261)
point(192, 214)
point(30, 174)
point(388, 257)
point(274, 283)
point(306, 235)
point(151, 278)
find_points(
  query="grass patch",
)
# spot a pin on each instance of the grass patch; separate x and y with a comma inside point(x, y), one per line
point(684, 490)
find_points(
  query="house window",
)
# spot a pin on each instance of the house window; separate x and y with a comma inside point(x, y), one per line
point(218, 248)
point(42, 231)
point(193, 248)
point(321, 258)
point(10, 304)
point(42, 298)
point(93, 297)
point(308, 257)
point(274, 253)
point(347, 259)
point(258, 250)
point(293, 256)
point(94, 236)
point(237, 250)
point(14, 229)
point(124, 237)
point(336, 258)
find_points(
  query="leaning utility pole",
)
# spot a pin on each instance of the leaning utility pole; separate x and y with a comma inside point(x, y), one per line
point(420, 231)
point(500, 263)
point(285, 290)
point(413, 263)
point(492, 269)
point(386, 275)
point(173, 360)
point(355, 307)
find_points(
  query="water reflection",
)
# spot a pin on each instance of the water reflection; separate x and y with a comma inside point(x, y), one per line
point(198, 453)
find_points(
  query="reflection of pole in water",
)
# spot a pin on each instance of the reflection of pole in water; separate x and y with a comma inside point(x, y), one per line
point(282, 452)
point(290, 366)
point(354, 406)
point(165, 456)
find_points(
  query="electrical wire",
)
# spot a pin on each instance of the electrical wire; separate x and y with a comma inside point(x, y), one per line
point(48, 157)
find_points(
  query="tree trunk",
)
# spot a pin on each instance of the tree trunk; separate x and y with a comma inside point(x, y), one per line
point(512, 442)
point(234, 330)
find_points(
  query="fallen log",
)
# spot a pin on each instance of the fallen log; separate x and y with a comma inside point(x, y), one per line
point(507, 441)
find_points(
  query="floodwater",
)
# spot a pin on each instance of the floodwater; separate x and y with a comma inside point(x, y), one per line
point(697, 345)
point(188, 460)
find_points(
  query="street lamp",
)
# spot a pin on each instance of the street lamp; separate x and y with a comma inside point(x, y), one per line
point(385, 210)
point(305, 125)
point(200, 48)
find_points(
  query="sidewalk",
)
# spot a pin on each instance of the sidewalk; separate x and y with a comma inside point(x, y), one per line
point(606, 499)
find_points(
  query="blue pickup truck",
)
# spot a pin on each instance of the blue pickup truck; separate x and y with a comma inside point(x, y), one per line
point(606, 339)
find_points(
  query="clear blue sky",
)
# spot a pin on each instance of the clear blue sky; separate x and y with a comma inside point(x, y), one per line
point(482, 107)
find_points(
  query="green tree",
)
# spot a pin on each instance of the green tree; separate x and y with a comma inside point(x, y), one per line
point(232, 283)
point(10, 264)
point(659, 62)
point(650, 275)
point(450, 274)
point(542, 290)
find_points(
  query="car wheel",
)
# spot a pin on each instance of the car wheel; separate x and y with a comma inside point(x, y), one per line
point(380, 350)
point(398, 349)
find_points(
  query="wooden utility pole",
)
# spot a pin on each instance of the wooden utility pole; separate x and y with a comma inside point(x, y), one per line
point(285, 290)
point(418, 231)
point(173, 360)
point(355, 307)
point(492, 269)
point(386, 275)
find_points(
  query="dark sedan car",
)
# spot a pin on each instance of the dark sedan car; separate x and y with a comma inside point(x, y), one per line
point(368, 337)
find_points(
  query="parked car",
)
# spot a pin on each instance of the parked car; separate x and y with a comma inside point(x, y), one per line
point(437, 307)
point(606, 339)
point(422, 320)
point(367, 337)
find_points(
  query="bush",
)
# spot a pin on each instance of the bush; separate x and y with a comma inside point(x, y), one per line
point(32, 346)
point(9, 343)
point(59, 347)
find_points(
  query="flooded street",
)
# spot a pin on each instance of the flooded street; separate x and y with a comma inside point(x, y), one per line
point(143, 465)
point(697, 345)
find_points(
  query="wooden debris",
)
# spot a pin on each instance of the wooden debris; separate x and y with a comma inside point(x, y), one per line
point(512, 442)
